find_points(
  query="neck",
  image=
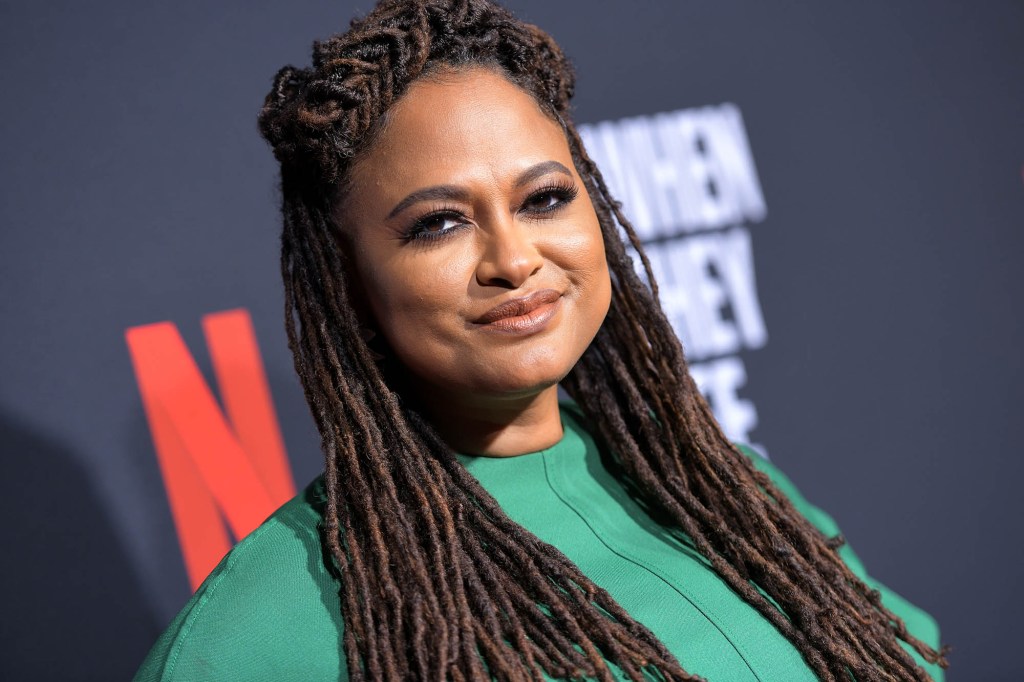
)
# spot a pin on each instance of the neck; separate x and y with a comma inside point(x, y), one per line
point(492, 426)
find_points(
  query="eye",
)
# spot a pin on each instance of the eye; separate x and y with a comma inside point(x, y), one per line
point(435, 225)
point(550, 199)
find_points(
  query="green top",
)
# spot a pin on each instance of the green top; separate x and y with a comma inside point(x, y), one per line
point(270, 610)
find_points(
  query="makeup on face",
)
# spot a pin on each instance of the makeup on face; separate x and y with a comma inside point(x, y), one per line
point(475, 243)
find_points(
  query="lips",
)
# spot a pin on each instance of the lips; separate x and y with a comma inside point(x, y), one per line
point(519, 307)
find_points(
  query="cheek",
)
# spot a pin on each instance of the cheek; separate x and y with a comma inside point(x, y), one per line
point(414, 303)
point(595, 279)
point(582, 255)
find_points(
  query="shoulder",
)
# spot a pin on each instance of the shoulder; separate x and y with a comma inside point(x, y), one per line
point(269, 610)
point(818, 518)
point(918, 622)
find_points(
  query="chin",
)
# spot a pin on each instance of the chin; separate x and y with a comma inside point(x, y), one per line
point(528, 379)
point(509, 373)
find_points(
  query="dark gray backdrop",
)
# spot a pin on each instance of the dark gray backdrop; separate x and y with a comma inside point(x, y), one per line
point(889, 139)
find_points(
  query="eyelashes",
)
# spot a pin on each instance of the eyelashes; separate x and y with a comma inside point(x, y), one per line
point(445, 222)
point(432, 226)
point(561, 194)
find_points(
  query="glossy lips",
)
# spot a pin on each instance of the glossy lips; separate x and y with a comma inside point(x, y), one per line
point(522, 315)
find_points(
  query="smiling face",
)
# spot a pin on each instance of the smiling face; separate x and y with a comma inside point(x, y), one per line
point(477, 251)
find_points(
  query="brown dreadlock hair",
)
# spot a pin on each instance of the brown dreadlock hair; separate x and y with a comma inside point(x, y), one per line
point(436, 582)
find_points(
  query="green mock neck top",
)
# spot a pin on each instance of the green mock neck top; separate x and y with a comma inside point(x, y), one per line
point(270, 610)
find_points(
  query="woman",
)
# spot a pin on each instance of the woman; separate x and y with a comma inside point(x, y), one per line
point(450, 257)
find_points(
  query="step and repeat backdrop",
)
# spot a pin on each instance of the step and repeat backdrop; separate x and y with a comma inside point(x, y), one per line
point(832, 198)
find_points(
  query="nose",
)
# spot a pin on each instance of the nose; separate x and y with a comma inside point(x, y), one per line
point(509, 255)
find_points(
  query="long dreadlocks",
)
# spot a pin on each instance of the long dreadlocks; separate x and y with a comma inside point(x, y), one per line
point(436, 581)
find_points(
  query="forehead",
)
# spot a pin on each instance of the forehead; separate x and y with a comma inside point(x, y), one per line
point(459, 127)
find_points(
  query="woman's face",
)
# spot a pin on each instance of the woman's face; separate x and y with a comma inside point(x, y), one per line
point(477, 251)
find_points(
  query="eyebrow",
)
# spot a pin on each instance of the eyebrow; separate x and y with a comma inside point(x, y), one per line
point(453, 192)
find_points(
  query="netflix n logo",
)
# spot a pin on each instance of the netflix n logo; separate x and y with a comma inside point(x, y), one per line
point(224, 469)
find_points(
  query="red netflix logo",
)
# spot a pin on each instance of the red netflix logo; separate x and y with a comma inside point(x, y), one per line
point(215, 467)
